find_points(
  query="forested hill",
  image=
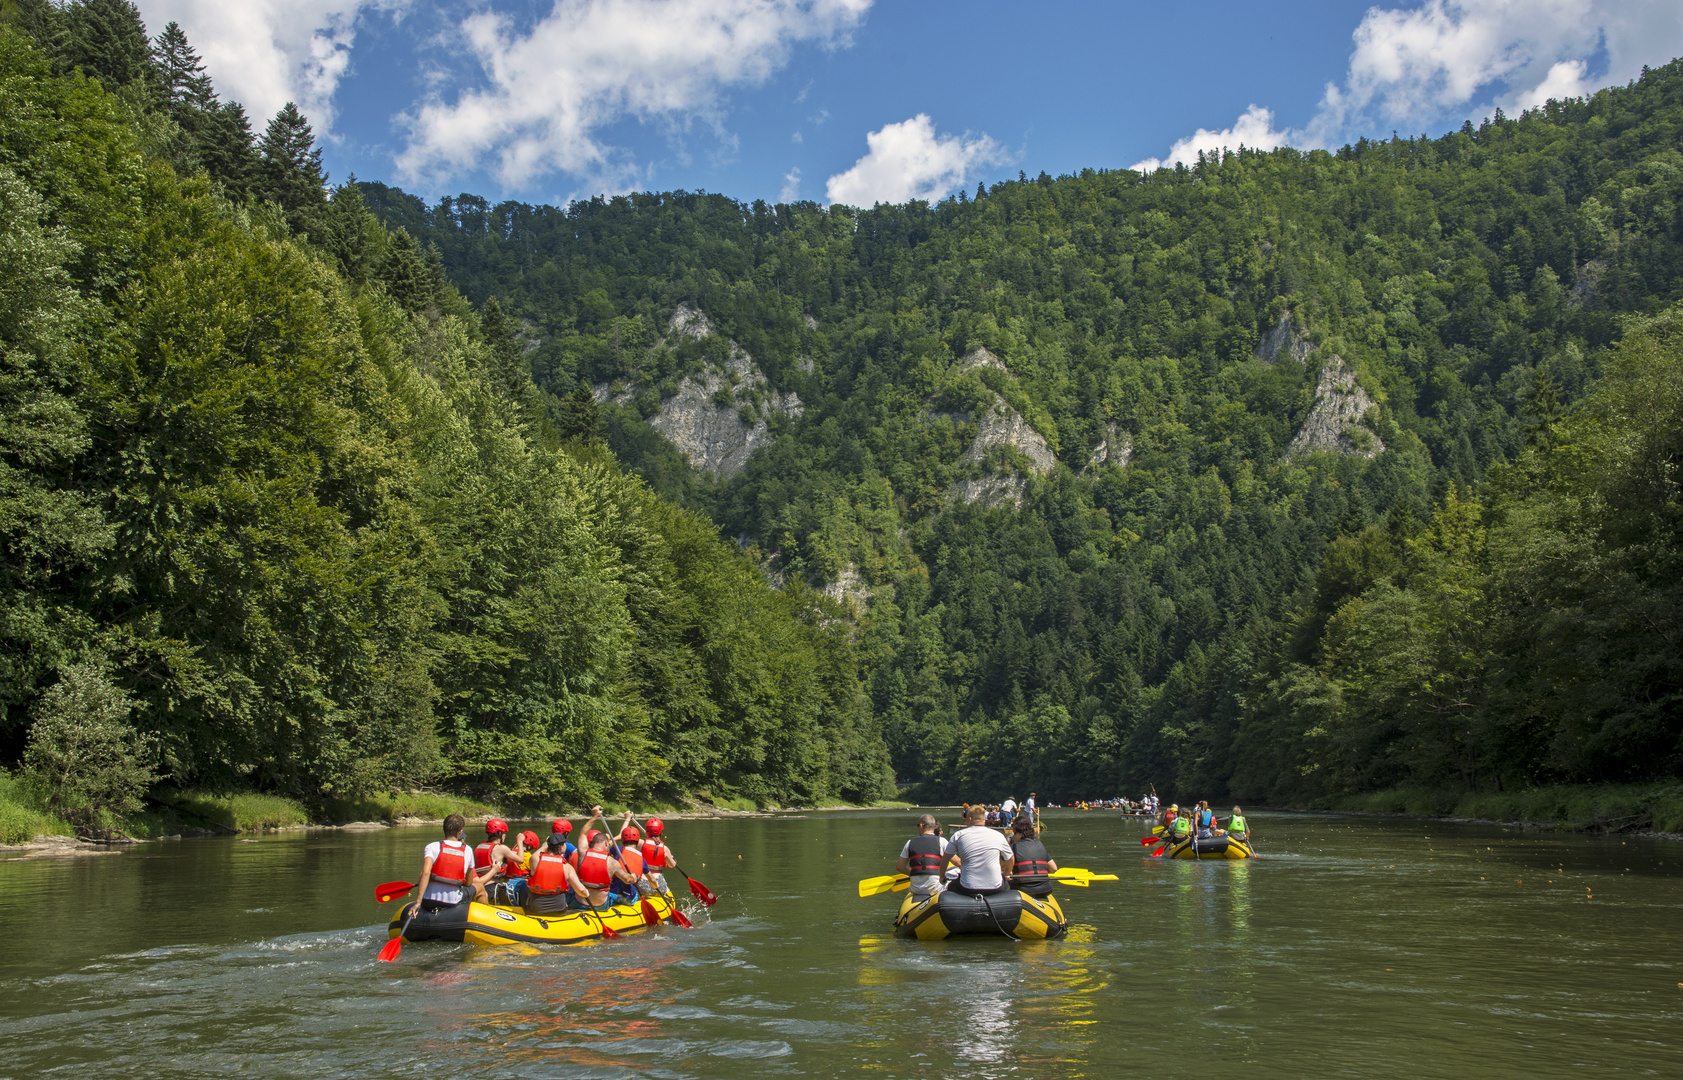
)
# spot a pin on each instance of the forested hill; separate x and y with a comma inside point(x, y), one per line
point(282, 511)
point(1282, 476)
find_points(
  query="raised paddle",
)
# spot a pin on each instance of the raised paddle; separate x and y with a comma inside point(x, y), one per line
point(391, 890)
point(389, 951)
point(1147, 841)
point(876, 886)
point(697, 889)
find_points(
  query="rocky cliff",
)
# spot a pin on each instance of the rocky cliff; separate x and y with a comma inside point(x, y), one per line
point(1001, 426)
point(718, 417)
point(1335, 421)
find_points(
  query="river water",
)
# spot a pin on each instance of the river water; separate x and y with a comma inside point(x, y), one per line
point(1353, 947)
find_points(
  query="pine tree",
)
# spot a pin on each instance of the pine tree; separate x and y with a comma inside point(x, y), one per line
point(508, 364)
point(404, 273)
point(224, 148)
point(108, 42)
point(581, 417)
point(290, 171)
point(187, 89)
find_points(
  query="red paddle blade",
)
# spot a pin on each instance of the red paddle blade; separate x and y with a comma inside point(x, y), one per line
point(701, 892)
point(389, 951)
point(650, 915)
point(391, 890)
point(681, 919)
point(1146, 841)
point(609, 932)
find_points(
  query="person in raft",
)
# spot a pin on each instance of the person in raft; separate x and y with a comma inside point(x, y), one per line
point(447, 871)
point(1176, 826)
point(1238, 826)
point(495, 854)
point(518, 869)
point(561, 827)
point(1204, 820)
point(1033, 867)
point(656, 857)
point(553, 886)
point(630, 855)
point(922, 858)
point(983, 855)
point(598, 870)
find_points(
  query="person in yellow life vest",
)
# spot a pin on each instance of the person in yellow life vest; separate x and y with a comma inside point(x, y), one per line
point(1177, 826)
point(1238, 826)
point(447, 870)
point(656, 857)
point(553, 886)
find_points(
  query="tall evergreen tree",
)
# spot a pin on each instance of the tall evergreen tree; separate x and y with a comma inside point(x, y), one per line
point(107, 41)
point(290, 171)
point(225, 149)
point(181, 72)
point(581, 417)
point(508, 362)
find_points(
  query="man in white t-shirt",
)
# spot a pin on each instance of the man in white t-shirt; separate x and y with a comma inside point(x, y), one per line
point(923, 857)
point(985, 856)
point(1009, 809)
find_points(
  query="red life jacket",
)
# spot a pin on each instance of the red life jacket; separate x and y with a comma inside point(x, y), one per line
point(549, 874)
point(656, 855)
point(632, 860)
point(593, 870)
point(482, 854)
point(515, 868)
point(451, 866)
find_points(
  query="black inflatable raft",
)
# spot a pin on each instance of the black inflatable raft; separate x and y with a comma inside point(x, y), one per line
point(1012, 914)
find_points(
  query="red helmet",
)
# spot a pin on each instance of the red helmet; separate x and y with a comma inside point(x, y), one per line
point(495, 825)
point(628, 834)
point(590, 837)
point(656, 826)
point(561, 825)
point(530, 838)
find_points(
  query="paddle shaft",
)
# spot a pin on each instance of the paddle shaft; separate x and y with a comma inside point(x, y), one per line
point(395, 945)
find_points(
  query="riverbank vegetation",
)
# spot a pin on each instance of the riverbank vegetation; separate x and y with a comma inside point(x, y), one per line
point(1290, 476)
point(284, 515)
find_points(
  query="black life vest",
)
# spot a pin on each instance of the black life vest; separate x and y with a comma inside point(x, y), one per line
point(1033, 863)
point(923, 855)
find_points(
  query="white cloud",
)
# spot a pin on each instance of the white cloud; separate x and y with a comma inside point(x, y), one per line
point(1253, 130)
point(1447, 59)
point(791, 186)
point(589, 63)
point(909, 161)
point(264, 53)
point(1415, 66)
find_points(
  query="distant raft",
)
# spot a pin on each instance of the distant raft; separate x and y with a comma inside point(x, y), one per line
point(495, 924)
point(1213, 847)
point(1012, 914)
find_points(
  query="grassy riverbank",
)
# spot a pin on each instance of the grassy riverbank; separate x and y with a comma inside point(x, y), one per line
point(171, 812)
point(1656, 807)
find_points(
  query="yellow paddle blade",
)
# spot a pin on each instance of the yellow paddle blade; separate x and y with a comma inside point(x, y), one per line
point(876, 886)
point(1078, 882)
point(902, 885)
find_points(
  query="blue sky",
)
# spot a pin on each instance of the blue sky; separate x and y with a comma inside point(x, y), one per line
point(855, 101)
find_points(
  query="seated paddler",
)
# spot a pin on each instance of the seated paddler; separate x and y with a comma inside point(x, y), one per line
point(1238, 827)
point(983, 855)
point(598, 870)
point(447, 871)
point(1033, 868)
point(552, 882)
point(922, 858)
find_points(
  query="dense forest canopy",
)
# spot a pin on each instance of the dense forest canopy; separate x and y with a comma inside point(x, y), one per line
point(1283, 476)
point(1312, 480)
point(282, 510)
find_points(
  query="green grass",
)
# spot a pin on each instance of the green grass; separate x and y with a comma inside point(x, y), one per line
point(1657, 806)
point(393, 806)
point(21, 816)
point(236, 812)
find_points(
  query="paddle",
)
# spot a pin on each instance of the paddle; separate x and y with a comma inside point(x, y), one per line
point(389, 951)
point(876, 886)
point(681, 919)
point(650, 916)
point(697, 889)
point(391, 890)
point(1147, 841)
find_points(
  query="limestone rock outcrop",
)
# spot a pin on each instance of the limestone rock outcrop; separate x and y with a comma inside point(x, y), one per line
point(1335, 421)
point(1001, 425)
point(713, 436)
point(1286, 337)
point(1115, 448)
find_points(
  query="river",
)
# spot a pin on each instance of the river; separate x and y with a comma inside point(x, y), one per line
point(1353, 947)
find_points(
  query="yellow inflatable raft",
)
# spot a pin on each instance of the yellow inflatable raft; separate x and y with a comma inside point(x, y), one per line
point(495, 924)
point(1217, 847)
point(1013, 914)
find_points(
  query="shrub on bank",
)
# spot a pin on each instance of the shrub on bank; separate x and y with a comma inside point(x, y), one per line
point(1614, 807)
point(22, 818)
point(393, 806)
